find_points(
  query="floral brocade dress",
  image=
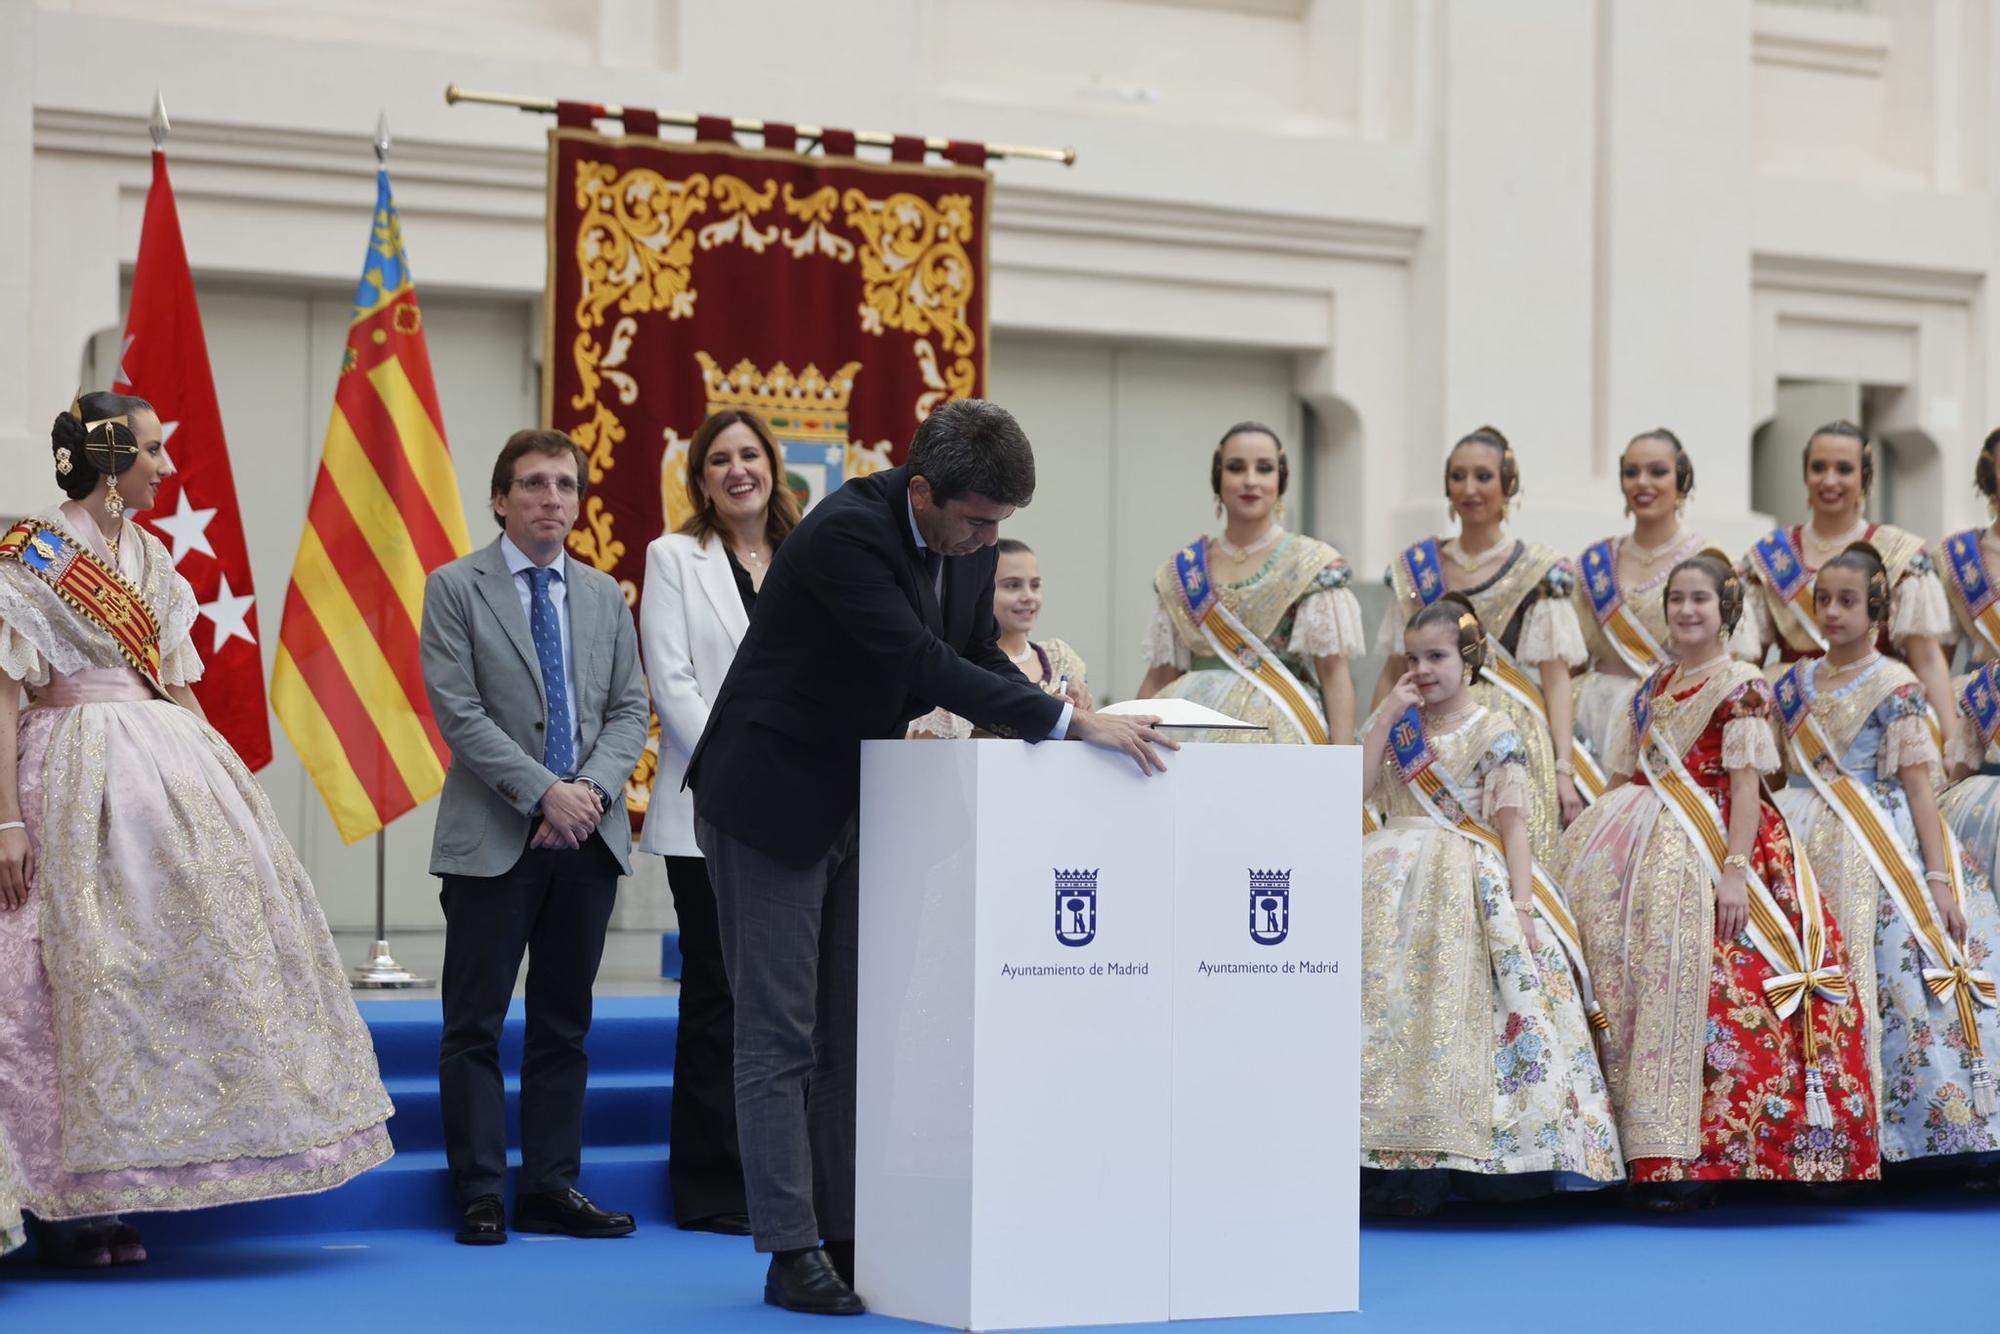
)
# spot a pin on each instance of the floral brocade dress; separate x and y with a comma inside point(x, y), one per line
point(1972, 805)
point(1604, 691)
point(1709, 1083)
point(1917, 604)
point(1057, 659)
point(176, 1029)
point(1476, 1055)
point(1877, 724)
point(1526, 609)
point(1298, 604)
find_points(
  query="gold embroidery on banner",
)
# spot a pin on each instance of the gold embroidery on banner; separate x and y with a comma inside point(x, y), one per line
point(942, 386)
point(592, 540)
point(816, 211)
point(916, 274)
point(741, 202)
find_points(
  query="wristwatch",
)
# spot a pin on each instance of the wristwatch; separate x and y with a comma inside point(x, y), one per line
point(1740, 860)
point(603, 797)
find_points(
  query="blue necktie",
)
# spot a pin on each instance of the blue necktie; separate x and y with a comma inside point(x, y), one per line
point(559, 751)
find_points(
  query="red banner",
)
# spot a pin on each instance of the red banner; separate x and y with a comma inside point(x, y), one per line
point(165, 362)
point(840, 299)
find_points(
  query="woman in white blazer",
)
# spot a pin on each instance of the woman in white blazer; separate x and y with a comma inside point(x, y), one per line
point(701, 583)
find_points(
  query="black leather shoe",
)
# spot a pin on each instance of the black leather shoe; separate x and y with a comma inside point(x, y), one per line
point(842, 1255)
point(729, 1225)
point(482, 1223)
point(568, 1214)
point(808, 1283)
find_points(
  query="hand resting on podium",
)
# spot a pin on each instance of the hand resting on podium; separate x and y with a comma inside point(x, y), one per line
point(1134, 735)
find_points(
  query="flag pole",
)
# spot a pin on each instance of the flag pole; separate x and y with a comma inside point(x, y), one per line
point(382, 970)
point(453, 95)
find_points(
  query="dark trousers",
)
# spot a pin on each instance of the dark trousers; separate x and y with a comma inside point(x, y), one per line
point(789, 938)
point(553, 905)
point(704, 1166)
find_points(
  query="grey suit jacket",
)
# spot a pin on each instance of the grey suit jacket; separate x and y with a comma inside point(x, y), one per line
point(486, 691)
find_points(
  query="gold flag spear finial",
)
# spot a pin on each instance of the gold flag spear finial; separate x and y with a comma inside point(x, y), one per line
point(159, 125)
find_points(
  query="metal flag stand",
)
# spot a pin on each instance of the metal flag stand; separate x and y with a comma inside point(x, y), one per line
point(382, 971)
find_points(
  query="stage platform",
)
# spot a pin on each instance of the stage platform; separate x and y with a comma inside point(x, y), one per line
point(376, 1255)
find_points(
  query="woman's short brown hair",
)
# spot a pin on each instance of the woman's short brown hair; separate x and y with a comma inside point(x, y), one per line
point(781, 511)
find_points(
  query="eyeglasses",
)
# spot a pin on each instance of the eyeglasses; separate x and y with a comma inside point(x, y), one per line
point(562, 486)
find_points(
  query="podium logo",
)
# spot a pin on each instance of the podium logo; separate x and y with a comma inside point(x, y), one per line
point(1270, 906)
point(1076, 907)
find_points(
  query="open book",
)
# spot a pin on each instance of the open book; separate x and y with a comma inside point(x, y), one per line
point(1181, 713)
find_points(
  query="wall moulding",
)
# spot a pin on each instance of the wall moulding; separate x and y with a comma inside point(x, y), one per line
point(1816, 39)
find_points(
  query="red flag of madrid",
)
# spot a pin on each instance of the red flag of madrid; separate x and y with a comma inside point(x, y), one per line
point(165, 362)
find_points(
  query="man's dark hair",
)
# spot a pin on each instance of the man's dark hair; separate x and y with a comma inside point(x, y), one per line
point(969, 446)
point(531, 441)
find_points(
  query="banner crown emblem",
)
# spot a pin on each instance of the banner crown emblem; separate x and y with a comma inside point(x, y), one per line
point(807, 406)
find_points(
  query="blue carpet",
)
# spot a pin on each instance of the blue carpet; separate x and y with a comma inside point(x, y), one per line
point(376, 1255)
point(1496, 1271)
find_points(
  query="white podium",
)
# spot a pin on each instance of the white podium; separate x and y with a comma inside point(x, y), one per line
point(1109, 1033)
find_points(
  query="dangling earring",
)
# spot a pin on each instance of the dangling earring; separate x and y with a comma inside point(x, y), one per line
point(1218, 507)
point(1279, 516)
point(1680, 507)
point(1628, 509)
point(114, 504)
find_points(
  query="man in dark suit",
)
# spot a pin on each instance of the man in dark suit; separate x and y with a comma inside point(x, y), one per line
point(878, 608)
point(531, 663)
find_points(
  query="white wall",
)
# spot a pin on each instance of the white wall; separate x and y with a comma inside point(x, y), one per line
point(1575, 218)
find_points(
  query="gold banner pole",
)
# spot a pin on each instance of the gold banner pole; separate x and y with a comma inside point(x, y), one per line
point(546, 106)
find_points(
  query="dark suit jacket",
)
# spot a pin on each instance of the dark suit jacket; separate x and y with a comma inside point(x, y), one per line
point(846, 644)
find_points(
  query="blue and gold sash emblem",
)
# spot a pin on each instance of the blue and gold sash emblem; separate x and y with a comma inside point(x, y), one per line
point(1191, 569)
point(1408, 744)
point(1791, 692)
point(1600, 580)
point(1420, 562)
point(1784, 567)
point(1968, 571)
point(1980, 700)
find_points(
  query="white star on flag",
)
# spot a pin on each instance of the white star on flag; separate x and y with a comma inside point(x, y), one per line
point(188, 527)
point(228, 612)
point(124, 351)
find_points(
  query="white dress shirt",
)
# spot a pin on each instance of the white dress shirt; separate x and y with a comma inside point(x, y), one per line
point(517, 563)
point(1061, 729)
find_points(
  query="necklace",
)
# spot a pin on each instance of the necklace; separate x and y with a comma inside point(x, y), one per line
point(1706, 667)
point(1834, 546)
point(1649, 556)
point(1865, 660)
point(1432, 723)
point(1022, 657)
point(1242, 553)
point(1454, 551)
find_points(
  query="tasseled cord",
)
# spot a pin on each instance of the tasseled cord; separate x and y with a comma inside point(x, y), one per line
point(1819, 1112)
point(1984, 1101)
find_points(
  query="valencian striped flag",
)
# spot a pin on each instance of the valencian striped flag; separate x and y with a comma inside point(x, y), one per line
point(385, 512)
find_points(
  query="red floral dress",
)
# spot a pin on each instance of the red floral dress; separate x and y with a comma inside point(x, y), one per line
point(1753, 1112)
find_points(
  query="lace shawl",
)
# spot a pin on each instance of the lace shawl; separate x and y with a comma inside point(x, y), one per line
point(41, 635)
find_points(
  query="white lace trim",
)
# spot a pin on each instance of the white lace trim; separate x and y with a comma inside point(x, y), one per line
point(1389, 634)
point(1754, 629)
point(1328, 624)
point(182, 665)
point(1162, 647)
point(1551, 632)
point(943, 724)
point(1918, 607)
point(1962, 748)
point(1621, 748)
point(20, 659)
point(1506, 786)
point(1750, 743)
point(1908, 741)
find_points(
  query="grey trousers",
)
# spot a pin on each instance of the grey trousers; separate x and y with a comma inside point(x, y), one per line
point(788, 943)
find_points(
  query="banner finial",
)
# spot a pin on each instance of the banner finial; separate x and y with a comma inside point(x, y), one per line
point(158, 125)
point(382, 137)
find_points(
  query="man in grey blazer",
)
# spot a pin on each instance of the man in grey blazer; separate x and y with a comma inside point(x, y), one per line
point(531, 663)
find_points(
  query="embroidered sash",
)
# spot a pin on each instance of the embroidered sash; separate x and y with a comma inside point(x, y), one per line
point(99, 595)
point(1420, 565)
point(1416, 762)
point(1783, 566)
point(1966, 577)
point(1243, 652)
point(1628, 635)
point(1799, 966)
point(1949, 976)
point(1979, 700)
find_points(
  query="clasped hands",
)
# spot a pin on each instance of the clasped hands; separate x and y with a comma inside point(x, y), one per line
point(570, 811)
